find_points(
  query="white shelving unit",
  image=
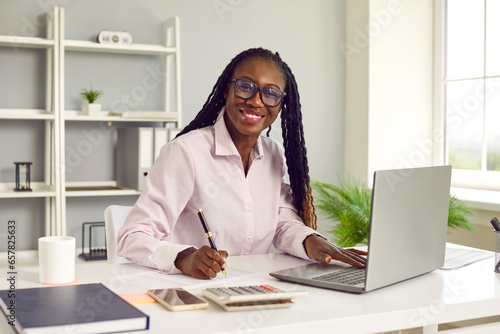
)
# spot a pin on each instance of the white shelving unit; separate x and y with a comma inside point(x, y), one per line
point(40, 189)
point(48, 189)
point(56, 117)
point(170, 49)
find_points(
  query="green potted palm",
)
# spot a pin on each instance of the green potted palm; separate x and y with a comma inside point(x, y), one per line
point(91, 108)
point(349, 205)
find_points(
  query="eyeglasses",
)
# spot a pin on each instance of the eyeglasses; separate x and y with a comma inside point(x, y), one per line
point(245, 89)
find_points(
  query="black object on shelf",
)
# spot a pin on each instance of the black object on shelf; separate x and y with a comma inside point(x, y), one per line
point(23, 176)
point(94, 253)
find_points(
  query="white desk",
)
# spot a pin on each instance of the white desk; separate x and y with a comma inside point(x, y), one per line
point(438, 297)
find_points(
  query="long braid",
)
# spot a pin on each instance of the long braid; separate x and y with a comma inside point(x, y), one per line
point(291, 125)
point(295, 150)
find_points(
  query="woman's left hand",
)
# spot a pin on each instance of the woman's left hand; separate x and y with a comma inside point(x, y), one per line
point(321, 250)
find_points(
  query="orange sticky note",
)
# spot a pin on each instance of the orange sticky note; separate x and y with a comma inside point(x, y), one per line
point(137, 298)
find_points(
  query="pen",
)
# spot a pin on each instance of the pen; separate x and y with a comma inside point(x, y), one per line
point(495, 223)
point(208, 233)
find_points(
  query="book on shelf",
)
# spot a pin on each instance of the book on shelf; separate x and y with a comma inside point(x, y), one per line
point(92, 188)
point(84, 308)
point(137, 150)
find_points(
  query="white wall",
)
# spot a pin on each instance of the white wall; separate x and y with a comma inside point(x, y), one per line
point(389, 91)
point(401, 82)
point(305, 33)
point(356, 52)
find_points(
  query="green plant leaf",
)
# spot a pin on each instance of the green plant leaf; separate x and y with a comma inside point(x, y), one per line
point(458, 215)
point(91, 95)
point(349, 205)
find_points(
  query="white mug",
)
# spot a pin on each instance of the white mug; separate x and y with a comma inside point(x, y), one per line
point(56, 259)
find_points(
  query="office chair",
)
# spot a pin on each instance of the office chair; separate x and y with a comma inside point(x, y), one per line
point(114, 217)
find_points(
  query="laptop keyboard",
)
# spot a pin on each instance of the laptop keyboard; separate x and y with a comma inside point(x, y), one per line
point(351, 276)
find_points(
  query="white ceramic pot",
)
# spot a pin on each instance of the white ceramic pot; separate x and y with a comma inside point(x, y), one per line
point(91, 109)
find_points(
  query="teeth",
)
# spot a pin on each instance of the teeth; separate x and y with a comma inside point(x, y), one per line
point(252, 115)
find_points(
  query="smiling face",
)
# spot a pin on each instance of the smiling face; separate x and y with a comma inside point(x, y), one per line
point(246, 119)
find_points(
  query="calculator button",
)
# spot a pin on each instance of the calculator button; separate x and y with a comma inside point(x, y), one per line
point(217, 292)
point(228, 291)
point(271, 288)
point(250, 297)
point(240, 291)
point(268, 287)
point(260, 289)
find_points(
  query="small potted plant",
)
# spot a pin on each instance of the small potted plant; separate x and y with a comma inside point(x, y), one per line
point(91, 108)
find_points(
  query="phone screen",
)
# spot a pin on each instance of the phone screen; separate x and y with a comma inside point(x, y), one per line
point(177, 297)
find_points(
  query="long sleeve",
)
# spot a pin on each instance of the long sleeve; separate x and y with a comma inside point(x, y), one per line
point(290, 231)
point(145, 236)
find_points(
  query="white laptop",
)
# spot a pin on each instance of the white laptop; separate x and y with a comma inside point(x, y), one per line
point(407, 238)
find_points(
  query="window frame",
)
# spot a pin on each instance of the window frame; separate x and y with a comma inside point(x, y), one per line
point(461, 178)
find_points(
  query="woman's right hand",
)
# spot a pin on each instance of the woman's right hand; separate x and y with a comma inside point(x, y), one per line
point(203, 263)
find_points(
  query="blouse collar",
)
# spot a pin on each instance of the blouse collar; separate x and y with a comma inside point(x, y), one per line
point(224, 144)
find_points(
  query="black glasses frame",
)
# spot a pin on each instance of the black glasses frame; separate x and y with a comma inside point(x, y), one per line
point(257, 90)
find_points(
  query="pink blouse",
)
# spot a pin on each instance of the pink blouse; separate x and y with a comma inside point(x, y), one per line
point(203, 170)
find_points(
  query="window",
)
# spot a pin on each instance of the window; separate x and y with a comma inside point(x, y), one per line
point(468, 90)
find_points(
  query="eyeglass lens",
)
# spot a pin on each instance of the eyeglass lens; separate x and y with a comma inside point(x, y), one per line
point(246, 90)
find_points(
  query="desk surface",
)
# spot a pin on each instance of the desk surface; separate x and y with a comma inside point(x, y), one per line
point(441, 296)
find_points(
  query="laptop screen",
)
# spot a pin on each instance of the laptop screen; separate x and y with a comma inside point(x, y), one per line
point(408, 223)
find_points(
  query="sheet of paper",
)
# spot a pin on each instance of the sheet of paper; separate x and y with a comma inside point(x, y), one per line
point(159, 280)
point(458, 257)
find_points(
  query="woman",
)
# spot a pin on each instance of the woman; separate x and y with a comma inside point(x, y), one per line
point(222, 164)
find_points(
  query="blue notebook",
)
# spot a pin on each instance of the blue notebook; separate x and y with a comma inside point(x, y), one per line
point(85, 308)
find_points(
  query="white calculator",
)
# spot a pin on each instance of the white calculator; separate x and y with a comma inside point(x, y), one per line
point(241, 298)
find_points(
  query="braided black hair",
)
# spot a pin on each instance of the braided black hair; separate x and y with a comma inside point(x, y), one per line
point(291, 125)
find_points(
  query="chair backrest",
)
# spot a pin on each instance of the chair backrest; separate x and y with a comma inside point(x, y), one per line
point(114, 218)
